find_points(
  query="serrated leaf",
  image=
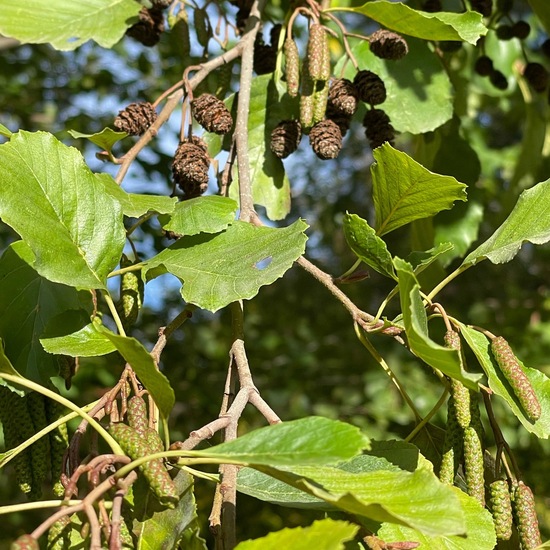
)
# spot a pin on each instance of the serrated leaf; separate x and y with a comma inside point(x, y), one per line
point(104, 139)
point(67, 25)
point(6, 132)
point(325, 534)
point(27, 303)
point(162, 528)
point(480, 345)
point(416, 499)
point(416, 326)
point(367, 245)
point(479, 529)
point(87, 341)
point(73, 227)
point(441, 25)
point(229, 266)
point(529, 221)
point(135, 205)
point(141, 361)
point(416, 101)
point(210, 214)
point(421, 260)
point(403, 190)
point(311, 440)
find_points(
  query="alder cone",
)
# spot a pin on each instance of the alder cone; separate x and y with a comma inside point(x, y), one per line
point(190, 168)
point(483, 65)
point(378, 128)
point(212, 114)
point(149, 27)
point(432, 6)
point(326, 139)
point(136, 118)
point(343, 97)
point(388, 45)
point(536, 75)
point(485, 7)
point(370, 87)
point(343, 121)
point(285, 138)
point(161, 4)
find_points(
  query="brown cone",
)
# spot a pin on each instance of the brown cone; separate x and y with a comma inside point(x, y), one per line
point(285, 138)
point(343, 97)
point(326, 139)
point(190, 167)
point(212, 114)
point(388, 45)
point(370, 87)
point(485, 7)
point(378, 128)
point(136, 118)
point(149, 27)
point(536, 75)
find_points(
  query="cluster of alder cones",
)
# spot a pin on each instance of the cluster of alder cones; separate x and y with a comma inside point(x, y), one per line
point(327, 104)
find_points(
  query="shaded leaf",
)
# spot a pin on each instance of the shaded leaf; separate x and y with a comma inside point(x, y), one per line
point(542, 10)
point(404, 190)
point(135, 205)
point(7, 368)
point(311, 440)
point(479, 529)
point(325, 534)
point(223, 268)
point(416, 326)
point(27, 303)
point(440, 25)
point(67, 25)
point(528, 221)
point(367, 245)
point(421, 260)
point(73, 227)
point(480, 345)
point(141, 361)
point(104, 139)
point(416, 101)
point(210, 214)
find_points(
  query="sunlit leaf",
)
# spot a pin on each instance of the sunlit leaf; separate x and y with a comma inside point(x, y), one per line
point(367, 245)
point(325, 534)
point(480, 345)
point(104, 139)
point(67, 25)
point(479, 530)
point(416, 326)
point(219, 269)
point(529, 221)
point(210, 214)
point(440, 25)
point(6, 132)
point(60, 209)
point(405, 191)
point(421, 260)
point(27, 303)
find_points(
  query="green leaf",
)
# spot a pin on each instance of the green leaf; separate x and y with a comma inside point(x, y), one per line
point(135, 205)
point(270, 185)
point(404, 190)
point(73, 227)
point(416, 326)
point(6, 132)
point(210, 214)
point(529, 221)
point(229, 266)
point(7, 368)
point(367, 245)
point(141, 361)
point(442, 25)
point(159, 527)
point(311, 440)
point(479, 529)
point(67, 25)
point(421, 260)
point(480, 345)
point(416, 101)
point(416, 499)
point(27, 303)
point(542, 11)
point(325, 534)
point(88, 341)
point(104, 139)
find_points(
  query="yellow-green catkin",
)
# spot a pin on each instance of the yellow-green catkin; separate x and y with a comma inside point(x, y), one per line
point(292, 66)
point(131, 294)
point(526, 517)
point(500, 503)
